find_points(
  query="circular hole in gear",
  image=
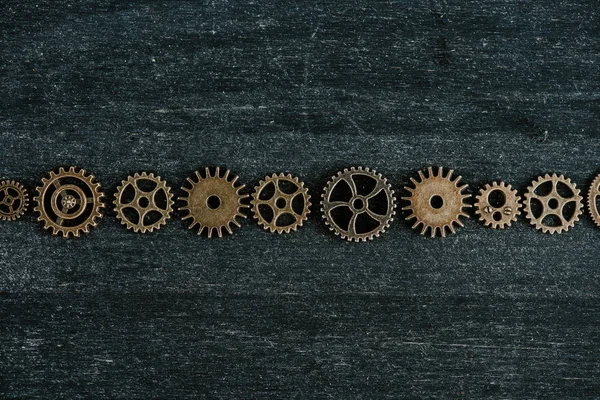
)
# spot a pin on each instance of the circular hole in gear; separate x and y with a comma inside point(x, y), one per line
point(365, 224)
point(287, 187)
point(436, 202)
point(152, 218)
point(569, 210)
point(266, 212)
point(267, 192)
point(341, 192)
point(544, 189)
point(536, 207)
point(341, 216)
point(564, 190)
point(551, 220)
point(496, 198)
point(365, 184)
point(553, 204)
point(286, 219)
point(131, 215)
point(280, 203)
point(213, 202)
point(143, 202)
point(358, 204)
point(298, 204)
point(497, 216)
point(146, 185)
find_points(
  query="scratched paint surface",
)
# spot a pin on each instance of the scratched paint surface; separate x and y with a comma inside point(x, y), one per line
point(495, 89)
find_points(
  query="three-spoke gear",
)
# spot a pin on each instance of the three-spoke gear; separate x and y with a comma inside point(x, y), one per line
point(358, 204)
point(553, 203)
point(143, 202)
point(594, 200)
point(436, 202)
point(213, 202)
point(280, 203)
point(498, 205)
point(14, 200)
point(69, 202)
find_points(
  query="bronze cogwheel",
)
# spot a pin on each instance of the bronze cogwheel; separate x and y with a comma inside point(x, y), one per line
point(358, 204)
point(553, 203)
point(69, 202)
point(14, 200)
point(143, 202)
point(213, 202)
point(498, 205)
point(436, 202)
point(593, 198)
point(280, 203)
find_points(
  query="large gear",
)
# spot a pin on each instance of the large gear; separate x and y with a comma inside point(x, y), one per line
point(593, 198)
point(358, 204)
point(436, 202)
point(498, 205)
point(213, 202)
point(280, 203)
point(69, 202)
point(553, 203)
point(143, 202)
point(14, 200)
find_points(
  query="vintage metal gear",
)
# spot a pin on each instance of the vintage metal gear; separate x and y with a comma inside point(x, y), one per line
point(358, 204)
point(14, 200)
point(553, 199)
point(143, 202)
point(213, 202)
point(498, 212)
point(593, 198)
point(280, 203)
point(69, 202)
point(436, 202)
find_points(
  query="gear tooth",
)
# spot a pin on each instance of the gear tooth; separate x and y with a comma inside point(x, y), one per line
point(421, 175)
point(441, 172)
point(430, 172)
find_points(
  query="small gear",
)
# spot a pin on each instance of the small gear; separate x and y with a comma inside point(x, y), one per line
point(143, 202)
point(14, 200)
point(498, 205)
point(553, 203)
point(593, 198)
point(280, 203)
point(69, 202)
point(358, 204)
point(213, 203)
point(436, 202)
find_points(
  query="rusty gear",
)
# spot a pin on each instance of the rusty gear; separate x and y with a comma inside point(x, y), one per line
point(539, 206)
point(140, 208)
point(502, 214)
point(69, 202)
point(271, 202)
point(14, 200)
point(358, 204)
point(593, 198)
point(436, 202)
point(213, 203)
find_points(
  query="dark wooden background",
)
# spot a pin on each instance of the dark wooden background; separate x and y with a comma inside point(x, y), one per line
point(497, 89)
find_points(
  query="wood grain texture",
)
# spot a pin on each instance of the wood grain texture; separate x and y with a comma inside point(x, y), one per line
point(496, 89)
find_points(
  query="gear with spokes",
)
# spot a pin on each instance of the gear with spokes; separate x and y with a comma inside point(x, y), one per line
point(593, 200)
point(498, 205)
point(14, 200)
point(553, 203)
point(213, 202)
point(143, 202)
point(358, 204)
point(436, 202)
point(280, 203)
point(69, 202)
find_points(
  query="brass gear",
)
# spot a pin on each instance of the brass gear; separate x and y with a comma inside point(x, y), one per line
point(212, 202)
point(358, 204)
point(14, 200)
point(498, 216)
point(593, 197)
point(69, 202)
point(140, 210)
point(280, 203)
point(553, 203)
point(436, 202)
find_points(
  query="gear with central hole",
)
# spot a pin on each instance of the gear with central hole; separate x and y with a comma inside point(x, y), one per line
point(213, 202)
point(437, 202)
point(69, 202)
point(14, 200)
point(500, 213)
point(280, 203)
point(593, 200)
point(553, 203)
point(143, 202)
point(358, 204)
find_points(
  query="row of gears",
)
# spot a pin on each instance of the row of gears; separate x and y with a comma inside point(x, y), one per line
point(358, 204)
